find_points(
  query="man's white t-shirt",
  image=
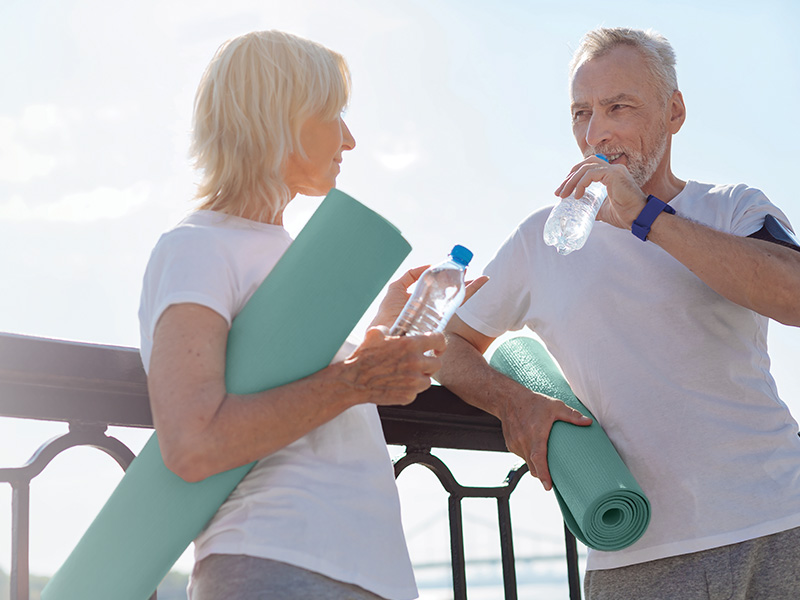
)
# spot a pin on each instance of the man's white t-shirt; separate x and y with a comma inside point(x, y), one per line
point(676, 375)
point(327, 502)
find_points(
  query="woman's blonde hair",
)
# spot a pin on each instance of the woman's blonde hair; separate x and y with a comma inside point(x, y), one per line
point(252, 100)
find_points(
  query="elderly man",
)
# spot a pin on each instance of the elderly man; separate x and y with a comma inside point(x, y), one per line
point(660, 325)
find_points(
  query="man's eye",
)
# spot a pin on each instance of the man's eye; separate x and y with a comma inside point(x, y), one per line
point(579, 115)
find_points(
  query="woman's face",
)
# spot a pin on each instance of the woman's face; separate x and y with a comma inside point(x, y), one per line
point(323, 142)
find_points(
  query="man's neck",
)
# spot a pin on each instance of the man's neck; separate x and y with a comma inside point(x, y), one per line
point(664, 185)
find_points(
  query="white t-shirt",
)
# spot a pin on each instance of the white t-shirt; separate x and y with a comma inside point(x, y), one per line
point(676, 375)
point(327, 502)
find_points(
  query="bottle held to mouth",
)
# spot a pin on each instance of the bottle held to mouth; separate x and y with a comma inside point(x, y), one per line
point(571, 220)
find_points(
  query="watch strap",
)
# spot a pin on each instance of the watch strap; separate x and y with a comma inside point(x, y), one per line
point(653, 208)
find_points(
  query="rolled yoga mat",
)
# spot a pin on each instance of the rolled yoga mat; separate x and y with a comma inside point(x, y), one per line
point(601, 502)
point(291, 327)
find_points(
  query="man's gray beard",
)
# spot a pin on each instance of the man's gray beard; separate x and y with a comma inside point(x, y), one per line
point(642, 168)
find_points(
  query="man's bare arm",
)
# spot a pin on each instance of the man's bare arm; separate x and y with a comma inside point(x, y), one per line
point(526, 416)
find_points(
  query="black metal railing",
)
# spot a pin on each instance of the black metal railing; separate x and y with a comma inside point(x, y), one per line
point(93, 386)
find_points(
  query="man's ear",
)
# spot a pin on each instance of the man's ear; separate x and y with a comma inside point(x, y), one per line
point(677, 112)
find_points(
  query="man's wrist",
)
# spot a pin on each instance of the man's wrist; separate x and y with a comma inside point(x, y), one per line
point(651, 211)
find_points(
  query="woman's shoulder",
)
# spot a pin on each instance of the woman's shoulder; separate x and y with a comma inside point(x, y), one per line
point(207, 231)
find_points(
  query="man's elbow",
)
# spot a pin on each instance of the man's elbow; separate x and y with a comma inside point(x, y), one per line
point(786, 306)
point(790, 317)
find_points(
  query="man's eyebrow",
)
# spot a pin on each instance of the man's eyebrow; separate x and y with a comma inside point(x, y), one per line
point(605, 101)
point(618, 98)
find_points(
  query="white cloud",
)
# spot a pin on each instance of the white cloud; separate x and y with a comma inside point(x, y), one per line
point(398, 148)
point(397, 161)
point(38, 118)
point(19, 164)
point(19, 161)
point(84, 207)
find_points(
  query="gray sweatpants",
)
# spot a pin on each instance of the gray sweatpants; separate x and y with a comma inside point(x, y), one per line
point(766, 568)
point(239, 577)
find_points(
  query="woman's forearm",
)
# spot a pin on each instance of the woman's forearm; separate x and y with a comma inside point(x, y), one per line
point(203, 430)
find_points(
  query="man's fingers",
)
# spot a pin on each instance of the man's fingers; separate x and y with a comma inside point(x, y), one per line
point(538, 466)
point(576, 418)
point(591, 166)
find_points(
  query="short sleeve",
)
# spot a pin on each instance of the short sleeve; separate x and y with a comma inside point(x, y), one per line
point(184, 267)
point(750, 208)
point(503, 303)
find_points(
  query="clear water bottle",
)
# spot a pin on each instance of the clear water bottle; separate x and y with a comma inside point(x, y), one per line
point(571, 220)
point(439, 292)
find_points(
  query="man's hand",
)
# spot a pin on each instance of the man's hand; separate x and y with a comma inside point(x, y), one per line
point(527, 420)
point(526, 417)
point(625, 199)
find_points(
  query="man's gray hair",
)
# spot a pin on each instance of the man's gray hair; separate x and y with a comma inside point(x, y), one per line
point(655, 48)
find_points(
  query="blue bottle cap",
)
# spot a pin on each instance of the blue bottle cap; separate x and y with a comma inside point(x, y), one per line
point(461, 255)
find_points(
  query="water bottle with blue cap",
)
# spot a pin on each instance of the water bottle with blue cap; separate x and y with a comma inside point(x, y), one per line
point(571, 220)
point(437, 295)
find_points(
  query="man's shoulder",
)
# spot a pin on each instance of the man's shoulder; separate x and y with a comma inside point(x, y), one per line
point(536, 219)
point(736, 208)
point(700, 197)
point(721, 190)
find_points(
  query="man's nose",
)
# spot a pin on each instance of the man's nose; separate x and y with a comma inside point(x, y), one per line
point(598, 131)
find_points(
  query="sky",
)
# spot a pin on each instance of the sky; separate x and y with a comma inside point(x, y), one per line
point(460, 115)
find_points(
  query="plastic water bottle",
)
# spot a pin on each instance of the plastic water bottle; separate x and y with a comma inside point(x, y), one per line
point(439, 292)
point(571, 220)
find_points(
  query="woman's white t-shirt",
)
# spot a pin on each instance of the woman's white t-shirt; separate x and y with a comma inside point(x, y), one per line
point(327, 502)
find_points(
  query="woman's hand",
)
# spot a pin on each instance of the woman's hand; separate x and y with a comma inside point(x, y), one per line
point(387, 370)
point(397, 295)
point(473, 285)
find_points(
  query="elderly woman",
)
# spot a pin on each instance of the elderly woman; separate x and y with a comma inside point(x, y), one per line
point(318, 516)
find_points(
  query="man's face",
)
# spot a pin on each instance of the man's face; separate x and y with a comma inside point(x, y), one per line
point(617, 111)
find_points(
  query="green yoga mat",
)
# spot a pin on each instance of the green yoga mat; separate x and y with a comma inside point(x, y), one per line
point(601, 502)
point(292, 326)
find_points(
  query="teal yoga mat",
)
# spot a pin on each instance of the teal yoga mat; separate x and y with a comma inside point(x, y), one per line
point(601, 502)
point(291, 327)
